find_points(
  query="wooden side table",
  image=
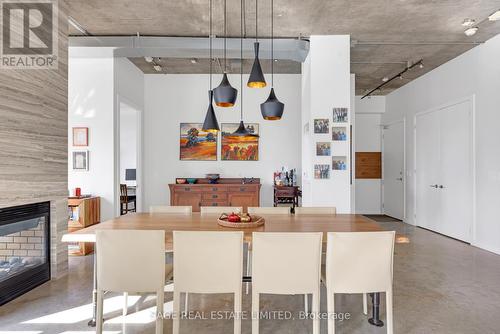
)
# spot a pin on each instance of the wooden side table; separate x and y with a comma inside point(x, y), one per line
point(83, 212)
point(287, 195)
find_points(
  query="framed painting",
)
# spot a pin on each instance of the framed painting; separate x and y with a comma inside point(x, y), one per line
point(196, 144)
point(321, 171)
point(80, 160)
point(241, 148)
point(80, 136)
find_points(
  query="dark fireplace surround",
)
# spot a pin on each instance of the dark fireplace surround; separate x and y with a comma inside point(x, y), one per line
point(24, 249)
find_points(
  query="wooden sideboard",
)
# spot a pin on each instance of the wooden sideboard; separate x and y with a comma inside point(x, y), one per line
point(83, 212)
point(227, 192)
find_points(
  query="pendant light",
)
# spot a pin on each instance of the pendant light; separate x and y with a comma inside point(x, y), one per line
point(256, 79)
point(210, 124)
point(272, 109)
point(241, 131)
point(225, 95)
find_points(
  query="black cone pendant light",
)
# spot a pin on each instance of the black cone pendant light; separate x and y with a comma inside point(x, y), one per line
point(225, 95)
point(256, 79)
point(241, 131)
point(210, 124)
point(272, 109)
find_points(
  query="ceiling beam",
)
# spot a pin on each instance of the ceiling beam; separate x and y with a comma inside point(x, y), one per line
point(185, 47)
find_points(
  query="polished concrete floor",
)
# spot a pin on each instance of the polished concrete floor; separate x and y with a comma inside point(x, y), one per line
point(440, 286)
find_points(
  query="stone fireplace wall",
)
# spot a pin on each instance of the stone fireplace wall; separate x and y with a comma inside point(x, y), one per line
point(34, 141)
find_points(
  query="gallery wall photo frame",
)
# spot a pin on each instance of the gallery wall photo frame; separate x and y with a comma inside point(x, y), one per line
point(80, 136)
point(81, 160)
point(321, 125)
point(340, 115)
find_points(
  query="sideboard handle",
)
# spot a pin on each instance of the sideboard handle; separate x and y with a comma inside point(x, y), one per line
point(187, 189)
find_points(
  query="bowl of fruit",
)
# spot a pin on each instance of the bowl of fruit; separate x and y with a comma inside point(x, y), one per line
point(240, 220)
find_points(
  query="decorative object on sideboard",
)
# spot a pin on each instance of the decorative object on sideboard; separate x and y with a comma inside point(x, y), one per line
point(225, 95)
point(285, 177)
point(81, 160)
point(191, 180)
point(340, 115)
point(210, 124)
point(240, 148)
point(321, 125)
point(80, 136)
point(196, 144)
point(272, 108)
point(256, 79)
point(180, 181)
point(212, 178)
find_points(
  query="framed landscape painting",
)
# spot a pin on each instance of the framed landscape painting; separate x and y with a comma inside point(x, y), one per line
point(196, 144)
point(241, 148)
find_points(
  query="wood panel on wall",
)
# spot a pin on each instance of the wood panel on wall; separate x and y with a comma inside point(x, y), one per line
point(368, 165)
point(33, 140)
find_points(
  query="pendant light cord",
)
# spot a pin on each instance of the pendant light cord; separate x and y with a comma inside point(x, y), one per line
point(256, 20)
point(241, 62)
point(272, 43)
point(225, 34)
point(210, 38)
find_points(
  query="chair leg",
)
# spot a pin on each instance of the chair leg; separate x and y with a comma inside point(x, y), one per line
point(186, 302)
point(125, 304)
point(159, 311)
point(306, 304)
point(255, 312)
point(176, 312)
point(365, 304)
point(100, 312)
point(315, 311)
point(331, 311)
point(388, 303)
point(237, 312)
point(249, 268)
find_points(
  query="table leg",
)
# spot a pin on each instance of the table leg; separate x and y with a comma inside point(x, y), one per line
point(92, 322)
point(375, 319)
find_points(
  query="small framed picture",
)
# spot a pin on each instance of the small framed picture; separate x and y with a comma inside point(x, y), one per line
point(323, 149)
point(321, 171)
point(321, 125)
point(80, 136)
point(340, 115)
point(339, 163)
point(80, 160)
point(339, 133)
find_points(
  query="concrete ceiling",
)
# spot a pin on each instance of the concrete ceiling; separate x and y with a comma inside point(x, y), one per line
point(385, 34)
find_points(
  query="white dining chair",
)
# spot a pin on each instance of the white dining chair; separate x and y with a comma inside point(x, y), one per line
point(121, 267)
point(218, 253)
point(359, 262)
point(272, 210)
point(325, 210)
point(286, 264)
point(211, 210)
point(171, 209)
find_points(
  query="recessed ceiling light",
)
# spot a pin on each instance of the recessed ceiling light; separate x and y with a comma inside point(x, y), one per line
point(495, 16)
point(385, 79)
point(157, 68)
point(276, 60)
point(421, 65)
point(471, 31)
point(148, 59)
point(194, 61)
point(468, 22)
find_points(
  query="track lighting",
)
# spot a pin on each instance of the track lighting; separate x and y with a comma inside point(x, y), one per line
point(471, 31)
point(385, 79)
point(157, 68)
point(148, 59)
point(495, 16)
point(468, 22)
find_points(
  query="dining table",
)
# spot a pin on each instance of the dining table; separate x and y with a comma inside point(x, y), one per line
point(209, 222)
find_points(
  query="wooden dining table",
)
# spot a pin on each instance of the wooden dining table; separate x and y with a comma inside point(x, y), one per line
point(196, 222)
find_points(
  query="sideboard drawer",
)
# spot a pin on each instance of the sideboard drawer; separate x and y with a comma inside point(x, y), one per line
point(214, 203)
point(215, 196)
point(242, 189)
point(188, 189)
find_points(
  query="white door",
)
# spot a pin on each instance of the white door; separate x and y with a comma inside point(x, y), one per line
point(455, 184)
point(393, 170)
point(444, 170)
point(428, 170)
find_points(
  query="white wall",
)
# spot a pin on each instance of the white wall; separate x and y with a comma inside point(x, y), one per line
point(177, 98)
point(94, 85)
point(90, 104)
point(128, 141)
point(475, 73)
point(326, 84)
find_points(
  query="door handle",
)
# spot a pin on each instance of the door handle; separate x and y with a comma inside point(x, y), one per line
point(399, 179)
point(433, 186)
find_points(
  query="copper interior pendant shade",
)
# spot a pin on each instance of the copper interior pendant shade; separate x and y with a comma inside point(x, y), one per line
point(225, 95)
point(272, 109)
point(210, 124)
point(256, 79)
